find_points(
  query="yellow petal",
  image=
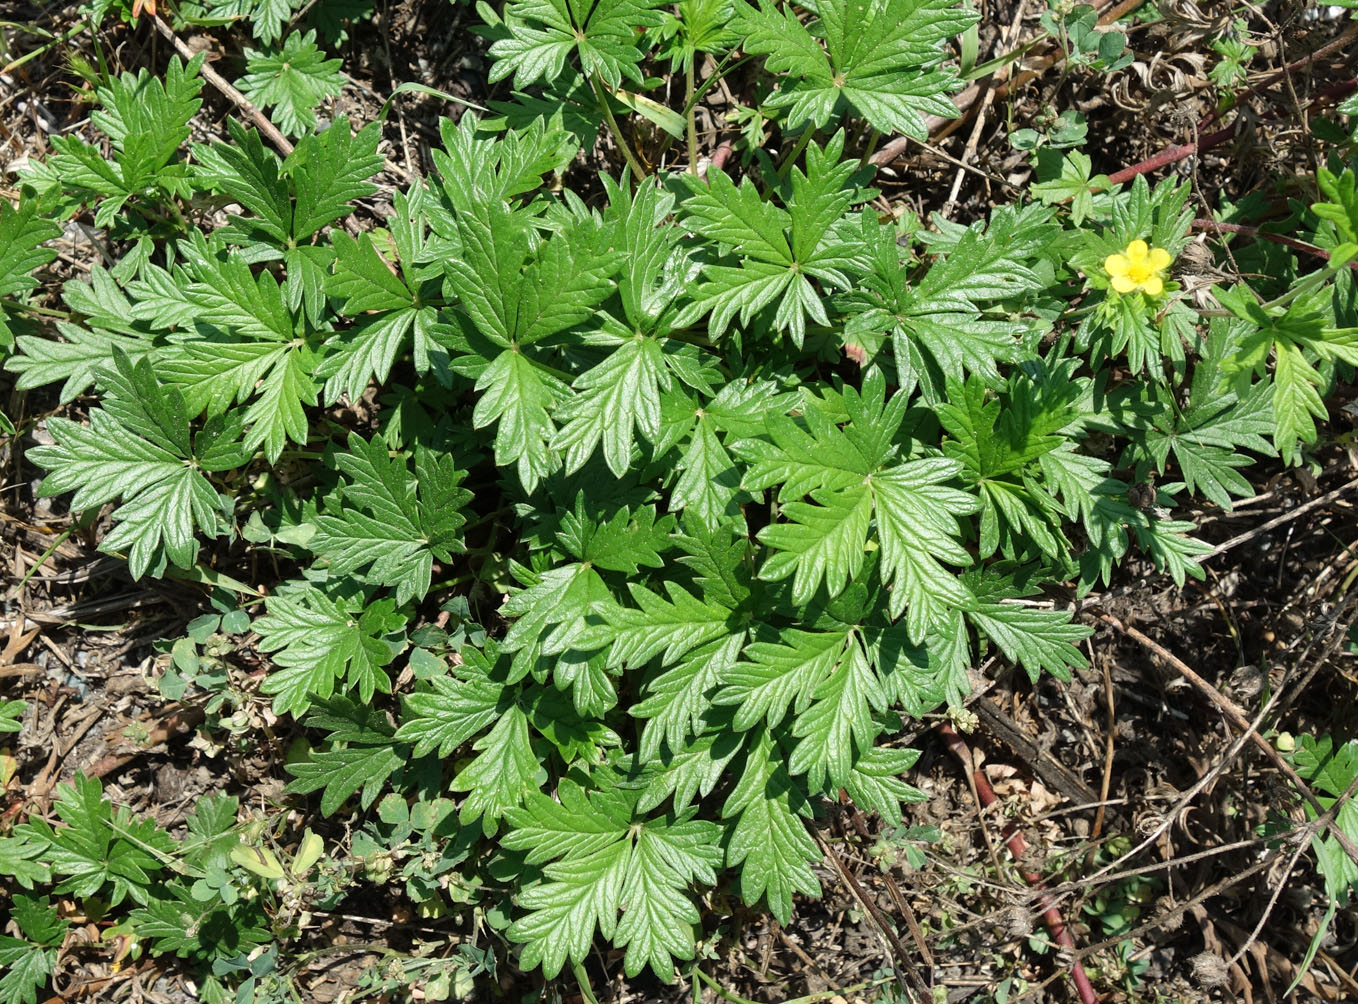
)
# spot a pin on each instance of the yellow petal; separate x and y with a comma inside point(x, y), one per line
point(1153, 286)
point(1123, 284)
point(1116, 264)
point(1159, 259)
point(1137, 251)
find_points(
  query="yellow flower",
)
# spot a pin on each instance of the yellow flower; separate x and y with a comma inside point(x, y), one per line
point(1138, 268)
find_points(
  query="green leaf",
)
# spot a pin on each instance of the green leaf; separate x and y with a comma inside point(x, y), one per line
point(553, 616)
point(918, 528)
point(838, 723)
point(779, 251)
point(575, 897)
point(98, 850)
point(658, 916)
point(1035, 638)
point(392, 525)
point(361, 754)
point(538, 36)
point(677, 700)
point(520, 395)
point(881, 60)
point(780, 677)
point(23, 232)
point(607, 862)
point(617, 399)
point(151, 467)
point(146, 117)
point(504, 772)
point(455, 707)
point(822, 542)
point(1206, 437)
point(657, 625)
point(768, 839)
point(318, 642)
point(292, 81)
point(330, 171)
point(29, 962)
point(17, 860)
point(875, 781)
point(621, 543)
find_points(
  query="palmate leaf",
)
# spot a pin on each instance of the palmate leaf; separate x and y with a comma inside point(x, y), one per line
point(838, 726)
point(455, 707)
point(138, 449)
point(875, 781)
point(189, 928)
point(514, 302)
point(935, 321)
point(1296, 335)
point(620, 542)
point(318, 642)
point(503, 773)
point(669, 626)
point(824, 542)
point(604, 861)
point(780, 677)
point(768, 838)
point(917, 525)
point(29, 962)
point(1206, 436)
point(1036, 639)
point(288, 201)
point(518, 396)
point(20, 860)
point(98, 850)
point(616, 399)
point(389, 525)
point(692, 772)
point(146, 117)
point(880, 58)
point(779, 250)
point(292, 81)
point(538, 36)
point(27, 968)
point(23, 231)
point(677, 700)
point(245, 348)
point(708, 482)
point(848, 475)
point(361, 755)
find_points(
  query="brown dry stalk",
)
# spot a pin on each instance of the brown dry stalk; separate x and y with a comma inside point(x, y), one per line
point(901, 958)
point(223, 85)
point(1236, 716)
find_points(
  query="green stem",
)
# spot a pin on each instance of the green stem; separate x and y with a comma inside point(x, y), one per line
point(30, 308)
point(1311, 282)
point(638, 171)
point(870, 149)
point(717, 988)
point(62, 537)
point(582, 980)
point(691, 118)
point(27, 56)
point(802, 140)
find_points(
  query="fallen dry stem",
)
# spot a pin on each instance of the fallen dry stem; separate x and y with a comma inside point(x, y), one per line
point(223, 85)
point(1237, 718)
point(901, 958)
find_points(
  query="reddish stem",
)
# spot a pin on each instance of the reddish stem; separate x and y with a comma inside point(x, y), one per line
point(1172, 155)
point(1013, 839)
point(1291, 242)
